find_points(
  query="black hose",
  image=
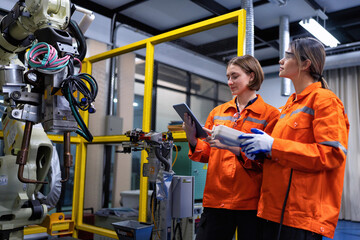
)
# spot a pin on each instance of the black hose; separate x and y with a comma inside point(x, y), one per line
point(177, 228)
point(78, 82)
point(174, 229)
point(152, 198)
point(181, 237)
point(284, 205)
point(80, 39)
point(161, 158)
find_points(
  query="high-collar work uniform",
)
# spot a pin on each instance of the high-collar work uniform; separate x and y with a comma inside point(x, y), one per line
point(232, 183)
point(311, 137)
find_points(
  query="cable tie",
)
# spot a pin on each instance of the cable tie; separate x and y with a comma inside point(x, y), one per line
point(45, 59)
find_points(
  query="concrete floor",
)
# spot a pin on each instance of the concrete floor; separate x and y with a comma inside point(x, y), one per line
point(347, 230)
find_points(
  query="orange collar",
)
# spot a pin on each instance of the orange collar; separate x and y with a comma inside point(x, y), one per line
point(306, 91)
point(258, 106)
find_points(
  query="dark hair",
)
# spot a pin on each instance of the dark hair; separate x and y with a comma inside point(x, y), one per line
point(313, 50)
point(249, 64)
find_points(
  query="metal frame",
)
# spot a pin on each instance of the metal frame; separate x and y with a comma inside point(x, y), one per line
point(81, 144)
point(149, 43)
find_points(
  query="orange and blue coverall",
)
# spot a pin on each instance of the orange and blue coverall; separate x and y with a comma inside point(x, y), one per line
point(311, 137)
point(232, 183)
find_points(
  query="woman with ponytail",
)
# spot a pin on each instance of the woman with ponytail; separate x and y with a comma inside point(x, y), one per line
point(304, 171)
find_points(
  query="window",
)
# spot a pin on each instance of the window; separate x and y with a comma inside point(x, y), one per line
point(224, 94)
point(201, 108)
point(164, 110)
point(171, 77)
point(202, 86)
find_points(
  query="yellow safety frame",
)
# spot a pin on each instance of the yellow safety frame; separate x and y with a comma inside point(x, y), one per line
point(149, 43)
point(81, 144)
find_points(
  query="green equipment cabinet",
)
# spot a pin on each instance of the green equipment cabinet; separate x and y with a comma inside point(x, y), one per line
point(186, 167)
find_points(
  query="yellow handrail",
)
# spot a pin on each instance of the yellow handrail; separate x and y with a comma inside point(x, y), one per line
point(236, 16)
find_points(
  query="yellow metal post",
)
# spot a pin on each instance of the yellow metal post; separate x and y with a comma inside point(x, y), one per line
point(241, 33)
point(87, 68)
point(149, 74)
point(76, 194)
point(146, 126)
point(241, 49)
point(79, 170)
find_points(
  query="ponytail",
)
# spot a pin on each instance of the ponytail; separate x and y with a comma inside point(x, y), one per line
point(324, 84)
point(312, 49)
point(320, 78)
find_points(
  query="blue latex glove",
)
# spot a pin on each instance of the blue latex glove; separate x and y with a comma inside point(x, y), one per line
point(255, 144)
point(254, 156)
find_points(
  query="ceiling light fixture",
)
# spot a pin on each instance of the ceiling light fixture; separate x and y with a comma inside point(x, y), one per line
point(319, 32)
point(280, 3)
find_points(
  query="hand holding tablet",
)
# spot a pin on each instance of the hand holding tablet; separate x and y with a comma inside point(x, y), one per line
point(183, 108)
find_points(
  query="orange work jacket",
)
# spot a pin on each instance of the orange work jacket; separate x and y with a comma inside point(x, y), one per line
point(311, 138)
point(229, 184)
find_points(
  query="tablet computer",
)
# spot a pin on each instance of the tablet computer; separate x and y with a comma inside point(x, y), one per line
point(183, 108)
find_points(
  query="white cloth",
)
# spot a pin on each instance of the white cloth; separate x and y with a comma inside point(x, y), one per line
point(345, 84)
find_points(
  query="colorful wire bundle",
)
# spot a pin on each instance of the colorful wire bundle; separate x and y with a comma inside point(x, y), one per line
point(78, 83)
point(45, 56)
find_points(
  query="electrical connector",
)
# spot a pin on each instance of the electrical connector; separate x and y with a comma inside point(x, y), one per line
point(92, 109)
point(83, 101)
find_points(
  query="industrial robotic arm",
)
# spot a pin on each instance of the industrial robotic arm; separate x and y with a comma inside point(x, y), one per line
point(157, 145)
point(172, 196)
point(26, 18)
point(39, 95)
point(158, 170)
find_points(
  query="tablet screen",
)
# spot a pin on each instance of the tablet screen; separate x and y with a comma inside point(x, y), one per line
point(183, 108)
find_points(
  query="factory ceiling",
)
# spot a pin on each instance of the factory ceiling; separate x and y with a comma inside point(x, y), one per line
point(158, 16)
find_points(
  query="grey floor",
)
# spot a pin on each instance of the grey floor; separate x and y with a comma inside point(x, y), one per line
point(347, 230)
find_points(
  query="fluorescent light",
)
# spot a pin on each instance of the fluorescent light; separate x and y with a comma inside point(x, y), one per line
point(319, 32)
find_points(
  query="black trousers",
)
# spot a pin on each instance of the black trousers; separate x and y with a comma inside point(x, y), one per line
point(268, 230)
point(220, 224)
